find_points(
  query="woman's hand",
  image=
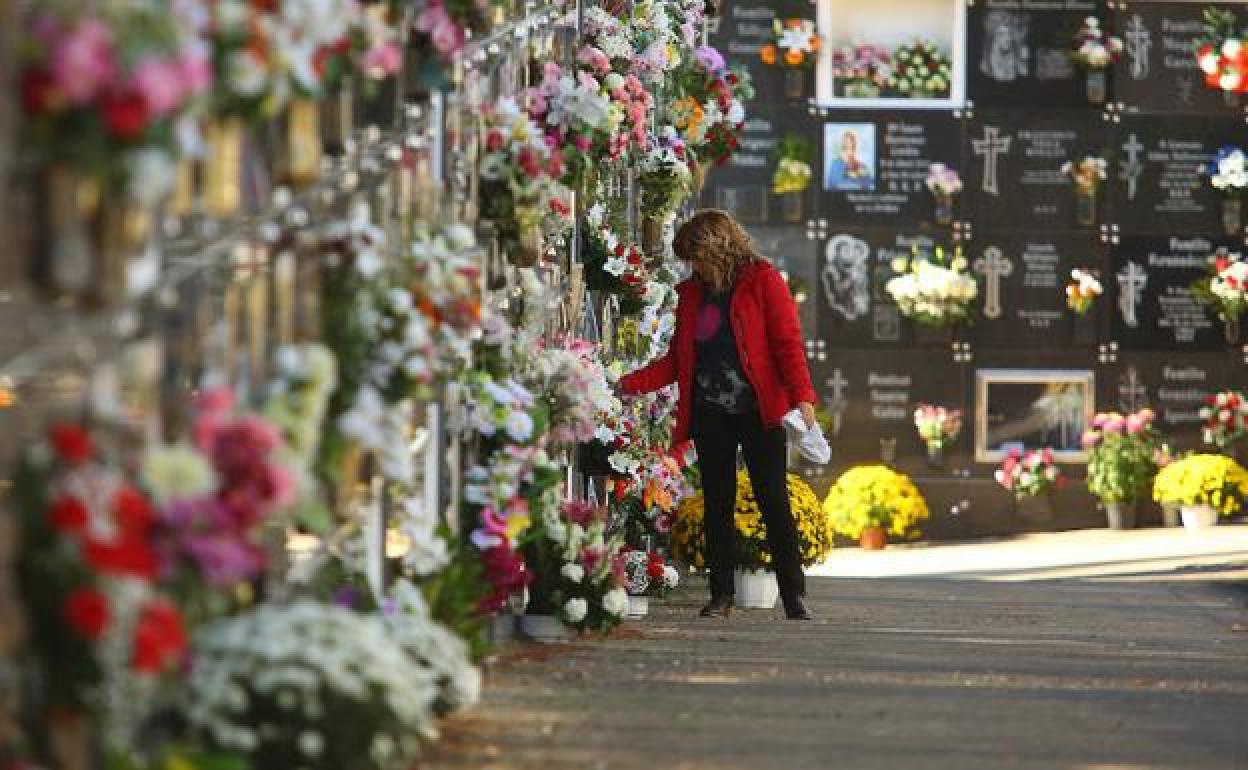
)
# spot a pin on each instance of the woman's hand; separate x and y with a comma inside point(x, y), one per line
point(808, 414)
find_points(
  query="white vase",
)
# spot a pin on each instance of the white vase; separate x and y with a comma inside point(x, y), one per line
point(502, 627)
point(545, 629)
point(638, 606)
point(1198, 516)
point(756, 589)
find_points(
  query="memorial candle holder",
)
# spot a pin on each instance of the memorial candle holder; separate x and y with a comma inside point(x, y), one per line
point(1097, 86)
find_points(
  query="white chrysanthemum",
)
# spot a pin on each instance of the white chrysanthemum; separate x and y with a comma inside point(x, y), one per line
point(615, 602)
point(177, 473)
point(575, 610)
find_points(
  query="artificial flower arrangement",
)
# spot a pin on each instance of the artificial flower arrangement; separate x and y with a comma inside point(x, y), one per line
point(1088, 173)
point(646, 573)
point(793, 172)
point(449, 23)
point(1082, 290)
point(1226, 419)
point(578, 109)
point(1123, 453)
point(442, 271)
point(1203, 479)
point(793, 43)
point(1221, 53)
point(814, 527)
point(937, 425)
point(875, 496)
point(709, 109)
point(1229, 172)
point(613, 266)
point(1094, 48)
point(920, 70)
point(1225, 287)
point(1030, 474)
point(935, 289)
point(570, 381)
point(664, 176)
point(655, 40)
point(862, 71)
point(649, 485)
point(943, 181)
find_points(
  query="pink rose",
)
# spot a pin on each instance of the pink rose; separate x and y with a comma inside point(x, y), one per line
point(383, 60)
point(196, 65)
point(1135, 424)
point(83, 62)
point(159, 81)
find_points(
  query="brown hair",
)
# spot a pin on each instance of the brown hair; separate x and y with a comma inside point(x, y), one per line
point(716, 246)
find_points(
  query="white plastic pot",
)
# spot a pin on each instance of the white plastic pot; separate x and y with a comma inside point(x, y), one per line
point(638, 606)
point(756, 589)
point(546, 629)
point(1198, 516)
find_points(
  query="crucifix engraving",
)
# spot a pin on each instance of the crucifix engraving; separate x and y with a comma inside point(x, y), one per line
point(1132, 392)
point(838, 402)
point(1131, 165)
point(1139, 43)
point(993, 266)
point(1186, 87)
point(992, 146)
point(1131, 282)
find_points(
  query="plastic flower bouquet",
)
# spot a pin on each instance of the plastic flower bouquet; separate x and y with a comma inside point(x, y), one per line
point(1088, 173)
point(943, 181)
point(1030, 474)
point(1124, 451)
point(921, 71)
point(875, 496)
point(1094, 49)
point(1225, 288)
point(1082, 290)
point(573, 560)
point(861, 71)
point(709, 109)
point(646, 574)
point(933, 290)
point(1221, 53)
point(937, 425)
point(1229, 172)
point(814, 527)
point(1226, 419)
point(794, 43)
point(664, 176)
point(1203, 479)
point(793, 172)
point(613, 266)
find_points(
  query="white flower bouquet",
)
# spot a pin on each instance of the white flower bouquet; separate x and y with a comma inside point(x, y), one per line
point(930, 292)
point(1094, 49)
point(1229, 174)
point(1225, 287)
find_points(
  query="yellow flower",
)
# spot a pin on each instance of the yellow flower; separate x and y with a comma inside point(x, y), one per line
point(875, 494)
point(1202, 479)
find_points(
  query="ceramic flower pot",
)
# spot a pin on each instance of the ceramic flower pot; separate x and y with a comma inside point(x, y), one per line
point(792, 207)
point(874, 539)
point(1083, 329)
point(544, 629)
point(794, 84)
point(943, 210)
point(1098, 86)
point(223, 168)
point(756, 589)
point(638, 606)
point(1120, 515)
point(1233, 216)
point(1085, 206)
point(502, 627)
point(1198, 516)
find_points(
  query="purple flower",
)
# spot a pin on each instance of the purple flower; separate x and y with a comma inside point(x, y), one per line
point(345, 597)
point(710, 58)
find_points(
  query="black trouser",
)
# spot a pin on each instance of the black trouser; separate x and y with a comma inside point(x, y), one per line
point(717, 434)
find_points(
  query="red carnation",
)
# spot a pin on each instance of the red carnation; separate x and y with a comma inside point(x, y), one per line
point(127, 556)
point(68, 514)
point(159, 638)
point(655, 569)
point(72, 444)
point(134, 512)
point(125, 113)
point(86, 610)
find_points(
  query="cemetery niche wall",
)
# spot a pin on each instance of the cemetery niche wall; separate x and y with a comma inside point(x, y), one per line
point(1135, 207)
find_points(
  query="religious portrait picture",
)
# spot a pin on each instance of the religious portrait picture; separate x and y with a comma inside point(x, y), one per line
point(1006, 53)
point(845, 277)
point(1023, 409)
point(849, 156)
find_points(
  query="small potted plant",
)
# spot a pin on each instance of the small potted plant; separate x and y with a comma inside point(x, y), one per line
point(1204, 486)
point(1082, 291)
point(1225, 289)
point(795, 46)
point(646, 575)
point(938, 427)
point(933, 290)
point(1123, 460)
point(944, 184)
point(1229, 176)
point(1087, 175)
point(793, 175)
point(1031, 478)
point(871, 502)
point(1094, 51)
point(755, 582)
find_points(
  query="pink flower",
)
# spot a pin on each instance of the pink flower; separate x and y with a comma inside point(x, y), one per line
point(1090, 439)
point(83, 61)
point(1135, 424)
point(159, 82)
point(383, 60)
point(1115, 424)
point(196, 66)
point(446, 35)
point(582, 143)
point(595, 59)
point(591, 558)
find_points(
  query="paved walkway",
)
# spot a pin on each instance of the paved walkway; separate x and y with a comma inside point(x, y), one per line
point(897, 674)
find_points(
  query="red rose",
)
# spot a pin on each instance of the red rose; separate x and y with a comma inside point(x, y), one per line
point(72, 444)
point(127, 556)
point(731, 77)
point(68, 514)
point(86, 610)
point(39, 94)
point(655, 569)
point(134, 512)
point(125, 113)
point(159, 638)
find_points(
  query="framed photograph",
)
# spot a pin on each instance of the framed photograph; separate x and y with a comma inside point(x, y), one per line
point(1033, 409)
point(849, 160)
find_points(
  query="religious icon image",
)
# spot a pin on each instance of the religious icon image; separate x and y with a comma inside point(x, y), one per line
point(849, 150)
point(1025, 409)
point(846, 284)
point(1006, 55)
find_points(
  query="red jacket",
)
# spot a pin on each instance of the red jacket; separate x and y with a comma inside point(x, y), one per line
point(769, 341)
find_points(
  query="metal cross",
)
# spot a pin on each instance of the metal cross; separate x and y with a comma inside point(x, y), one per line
point(992, 146)
point(993, 266)
point(1131, 280)
point(1139, 42)
point(1131, 165)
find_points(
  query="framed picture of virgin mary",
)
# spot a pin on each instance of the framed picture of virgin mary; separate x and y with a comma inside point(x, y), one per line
point(1033, 409)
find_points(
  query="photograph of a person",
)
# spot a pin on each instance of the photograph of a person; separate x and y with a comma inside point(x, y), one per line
point(849, 152)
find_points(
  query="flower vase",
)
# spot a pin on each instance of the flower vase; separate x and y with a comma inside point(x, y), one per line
point(303, 143)
point(794, 84)
point(223, 168)
point(544, 629)
point(756, 589)
point(935, 454)
point(1232, 216)
point(1230, 330)
point(638, 606)
point(792, 207)
point(1196, 517)
point(1085, 205)
point(338, 116)
point(943, 212)
point(1098, 86)
point(873, 539)
point(1083, 329)
point(502, 627)
point(1035, 508)
point(1231, 98)
point(528, 246)
point(1120, 515)
point(652, 237)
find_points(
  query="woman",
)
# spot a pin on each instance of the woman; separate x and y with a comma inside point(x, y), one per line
point(738, 359)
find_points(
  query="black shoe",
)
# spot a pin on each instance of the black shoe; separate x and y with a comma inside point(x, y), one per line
point(796, 609)
point(718, 607)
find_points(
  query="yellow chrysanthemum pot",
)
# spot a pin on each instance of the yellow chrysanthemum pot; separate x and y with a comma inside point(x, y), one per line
point(870, 503)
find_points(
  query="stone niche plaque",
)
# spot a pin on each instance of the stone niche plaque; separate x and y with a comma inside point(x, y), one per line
point(1022, 278)
point(1015, 159)
point(1150, 288)
point(1158, 179)
point(1175, 387)
point(743, 184)
point(1019, 52)
point(875, 168)
point(852, 268)
point(743, 27)
point(1158, 72)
